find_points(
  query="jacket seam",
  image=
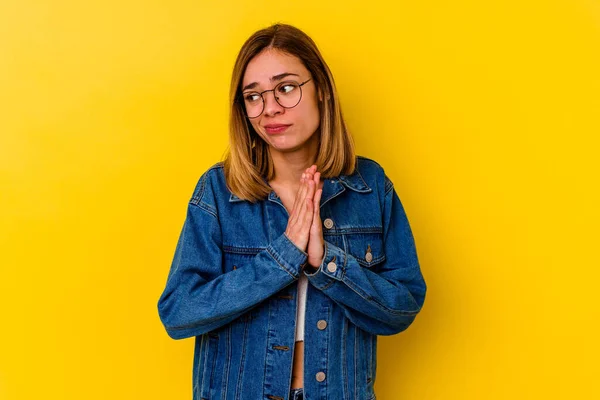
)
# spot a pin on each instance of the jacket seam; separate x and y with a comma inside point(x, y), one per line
point(274, 257)
point(201, 357)
point(242, 250)
point(389, 185)
point(204, 370)
point(209, 209)
point(197, 196)
point(266, 347)
point(198, 324)
point(357, 290)
point(355, 361)
point(363, 179)
point(239, 388)
point(344, 357)
point(225, 382)
point(329, 284)
point(351, 230)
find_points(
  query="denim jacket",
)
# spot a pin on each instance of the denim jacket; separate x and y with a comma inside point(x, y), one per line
point(233, 285)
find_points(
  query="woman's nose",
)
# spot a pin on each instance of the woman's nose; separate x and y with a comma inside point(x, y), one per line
point(272, 107)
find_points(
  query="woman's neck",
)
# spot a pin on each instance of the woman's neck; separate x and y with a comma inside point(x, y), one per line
point(290, 166)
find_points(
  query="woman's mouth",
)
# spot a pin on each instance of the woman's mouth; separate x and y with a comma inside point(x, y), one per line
point(276, 128)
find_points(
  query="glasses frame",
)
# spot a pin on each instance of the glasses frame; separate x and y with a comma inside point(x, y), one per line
point(241, 97)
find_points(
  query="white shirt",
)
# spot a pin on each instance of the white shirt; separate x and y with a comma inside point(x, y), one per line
point(300, 310)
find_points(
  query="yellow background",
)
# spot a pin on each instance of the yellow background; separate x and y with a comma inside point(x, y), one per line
point(485, 114)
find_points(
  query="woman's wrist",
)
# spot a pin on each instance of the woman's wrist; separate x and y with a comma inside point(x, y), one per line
point(312, 269)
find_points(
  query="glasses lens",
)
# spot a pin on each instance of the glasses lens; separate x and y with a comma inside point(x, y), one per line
point(253, 103)
point(288, 94)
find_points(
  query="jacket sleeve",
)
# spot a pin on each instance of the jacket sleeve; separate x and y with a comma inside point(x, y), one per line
point(386, 298)
point(199, 297)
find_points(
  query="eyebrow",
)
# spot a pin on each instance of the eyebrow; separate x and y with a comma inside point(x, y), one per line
point(273, 78)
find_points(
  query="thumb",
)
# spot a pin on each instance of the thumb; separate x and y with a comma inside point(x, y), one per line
point(317, 207)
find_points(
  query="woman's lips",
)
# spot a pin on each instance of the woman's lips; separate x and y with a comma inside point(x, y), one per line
point(272, 129)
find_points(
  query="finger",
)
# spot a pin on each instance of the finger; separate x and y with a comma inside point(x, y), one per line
point(316, 222)
point(300, 194)
point(306, 213)
point(295, 212)
point(317, 204)
point(317, 179)
point(307, 216)
point(301, 187)
point(309, 174)
point(311, 189)
point(313, 170)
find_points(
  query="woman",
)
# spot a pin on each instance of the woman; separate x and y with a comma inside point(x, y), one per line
point(295, 254)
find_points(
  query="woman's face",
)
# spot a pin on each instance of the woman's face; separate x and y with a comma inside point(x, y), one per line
point(265, 71)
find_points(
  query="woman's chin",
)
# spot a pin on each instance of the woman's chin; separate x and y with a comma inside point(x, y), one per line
point(284, 145)
point(287, 142)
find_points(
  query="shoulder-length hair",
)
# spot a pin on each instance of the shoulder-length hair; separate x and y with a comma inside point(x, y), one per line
point(248, 164)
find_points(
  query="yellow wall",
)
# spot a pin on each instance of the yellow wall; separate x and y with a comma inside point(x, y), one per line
point(484, 113)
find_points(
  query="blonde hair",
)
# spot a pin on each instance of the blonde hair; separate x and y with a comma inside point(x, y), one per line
point(248, 164)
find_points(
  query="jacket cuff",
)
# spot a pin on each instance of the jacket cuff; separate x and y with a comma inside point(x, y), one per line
point(332, 268)
point(288, 256)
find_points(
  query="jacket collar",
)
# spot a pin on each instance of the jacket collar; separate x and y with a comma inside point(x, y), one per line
point(331, 187)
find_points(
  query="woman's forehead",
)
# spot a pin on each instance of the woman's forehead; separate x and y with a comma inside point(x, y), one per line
point(269, 63)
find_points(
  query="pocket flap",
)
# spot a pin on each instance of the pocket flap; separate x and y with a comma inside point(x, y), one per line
point(367, 248)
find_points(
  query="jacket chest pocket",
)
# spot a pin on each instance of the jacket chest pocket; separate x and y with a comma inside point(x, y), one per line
point(238, 257)
point(366, 246)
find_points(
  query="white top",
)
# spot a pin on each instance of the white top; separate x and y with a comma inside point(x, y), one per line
point(302, 282)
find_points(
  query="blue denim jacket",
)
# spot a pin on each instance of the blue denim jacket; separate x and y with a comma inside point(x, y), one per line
point(233, 285)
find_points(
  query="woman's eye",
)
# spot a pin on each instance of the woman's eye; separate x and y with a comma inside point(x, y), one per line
point(252, 97)
point(287, 88)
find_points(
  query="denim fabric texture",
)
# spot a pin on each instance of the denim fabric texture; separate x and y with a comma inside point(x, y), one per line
point(233, 285)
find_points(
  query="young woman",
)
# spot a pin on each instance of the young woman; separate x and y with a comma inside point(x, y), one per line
point(295, 253)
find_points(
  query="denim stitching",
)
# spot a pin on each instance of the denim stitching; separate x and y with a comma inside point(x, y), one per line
point(276, 258)
point(197, 196)
point(389, 185)
point(357, 290)
point(334, 196)
point(350, 230)
point(267, 347)
point(368, 190)
point(344, 363)
point(208, 209)
point(203, 353)
point(355, 361)
point(372, 263)
point(212, 369)
point(225, 381)
point(239, 389)
point(242, 250)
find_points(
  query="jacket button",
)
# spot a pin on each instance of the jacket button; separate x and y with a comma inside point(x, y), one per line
point(322, 324)
point(320, 376)
point(328, 223)
point(369, 257)
point(331, 267)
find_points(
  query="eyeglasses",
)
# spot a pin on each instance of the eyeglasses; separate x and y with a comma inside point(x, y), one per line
point(287, 94)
